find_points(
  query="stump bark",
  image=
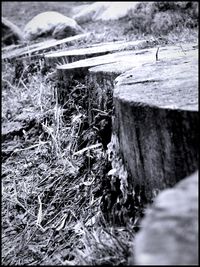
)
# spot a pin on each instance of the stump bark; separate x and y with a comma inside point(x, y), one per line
point(156, 121)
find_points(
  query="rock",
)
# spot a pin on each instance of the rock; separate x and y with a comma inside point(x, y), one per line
point(169, 230)
point(104, 11)
point(76, 9)
point(11, 34)
point(156, 120)
point(89, 13)
point(51, 24)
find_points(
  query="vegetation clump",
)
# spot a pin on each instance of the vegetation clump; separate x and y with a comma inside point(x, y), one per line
point(55, 181)
point(164, 18)
point(64, 197)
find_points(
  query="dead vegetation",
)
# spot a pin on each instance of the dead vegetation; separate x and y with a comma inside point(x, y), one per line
point(59, 207)
point(54, 177)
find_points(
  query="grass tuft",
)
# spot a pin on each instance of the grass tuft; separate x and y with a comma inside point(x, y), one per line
point(58, 205)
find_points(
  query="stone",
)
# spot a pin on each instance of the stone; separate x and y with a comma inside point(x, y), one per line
point(156, 121)
point(76, 9)
point(169, 229)
point(11, 34)
point(51, 24)
point(104, 11)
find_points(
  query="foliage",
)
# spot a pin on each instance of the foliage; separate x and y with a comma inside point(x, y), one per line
point(163, 17)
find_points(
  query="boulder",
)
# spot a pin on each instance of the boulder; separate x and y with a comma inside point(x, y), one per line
point(11, 34)
point(104, 11)
point(51, 24)
point(169, 230)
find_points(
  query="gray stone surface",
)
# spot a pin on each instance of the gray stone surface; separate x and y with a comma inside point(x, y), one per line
point(53, 24)
point(104, 11)
point(169, 233)
point(11, 34)
point(156, 120)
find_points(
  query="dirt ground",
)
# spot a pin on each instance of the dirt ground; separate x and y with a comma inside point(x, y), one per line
point(51, 201)
point(52, 209)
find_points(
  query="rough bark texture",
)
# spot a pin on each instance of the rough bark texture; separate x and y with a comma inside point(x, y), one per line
point(156, 121)
point(103, 84)
point(155, 103)
point(169, 233)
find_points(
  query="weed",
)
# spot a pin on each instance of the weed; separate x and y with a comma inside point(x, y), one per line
point(63, 201)
point(52, 179)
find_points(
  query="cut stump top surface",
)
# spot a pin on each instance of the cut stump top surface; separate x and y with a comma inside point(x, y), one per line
point(99, 49)
point(41, 46)
point(170, 83)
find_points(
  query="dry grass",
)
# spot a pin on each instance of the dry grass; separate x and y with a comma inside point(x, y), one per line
point(54, 165)
point(51, 182)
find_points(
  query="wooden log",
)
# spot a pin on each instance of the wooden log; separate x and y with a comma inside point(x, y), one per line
point(40, 47)
point(118, 62)
point(156, 121)
point(102, 77)
point(68, 56)
point(101, 72)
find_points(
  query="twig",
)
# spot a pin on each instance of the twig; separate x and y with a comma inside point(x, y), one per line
point(157, 54)
point(39, 218)
point(8, 83)
point(87, 148)
point(20, 81)
point(27, 148)
point(119, 243)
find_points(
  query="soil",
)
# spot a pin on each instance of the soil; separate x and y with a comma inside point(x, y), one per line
point(57, 200)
